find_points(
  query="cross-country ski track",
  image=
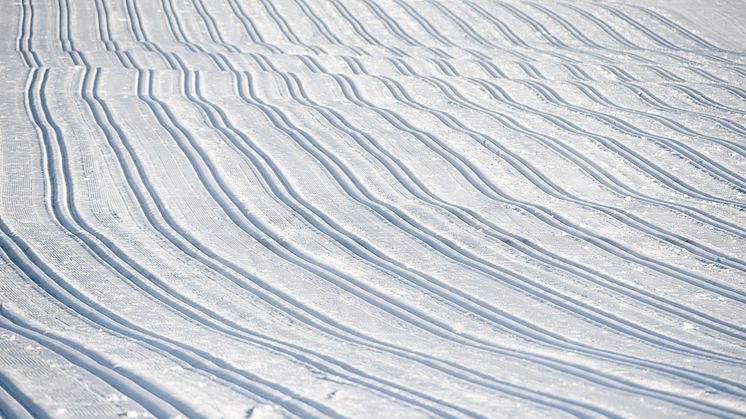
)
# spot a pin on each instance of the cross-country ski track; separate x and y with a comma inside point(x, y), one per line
point(372, 208)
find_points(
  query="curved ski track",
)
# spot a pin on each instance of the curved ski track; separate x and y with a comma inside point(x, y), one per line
point(470, 208)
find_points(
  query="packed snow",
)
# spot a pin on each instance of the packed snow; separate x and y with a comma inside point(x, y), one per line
point(372, 208)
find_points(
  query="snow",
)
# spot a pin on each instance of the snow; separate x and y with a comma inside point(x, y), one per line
point(306, 208)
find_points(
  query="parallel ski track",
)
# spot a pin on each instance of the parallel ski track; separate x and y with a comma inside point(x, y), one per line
point(701, 115)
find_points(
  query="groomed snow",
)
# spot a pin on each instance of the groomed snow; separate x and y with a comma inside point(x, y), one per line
point(372, 208)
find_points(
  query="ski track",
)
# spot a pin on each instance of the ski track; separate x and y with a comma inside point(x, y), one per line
point(369, 208)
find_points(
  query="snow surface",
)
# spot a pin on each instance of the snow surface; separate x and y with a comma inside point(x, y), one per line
point(364, 208)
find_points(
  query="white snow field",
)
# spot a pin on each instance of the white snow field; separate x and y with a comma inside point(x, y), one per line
point(372, 208)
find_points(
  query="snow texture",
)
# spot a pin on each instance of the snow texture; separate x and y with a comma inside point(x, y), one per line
point(372, 208)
